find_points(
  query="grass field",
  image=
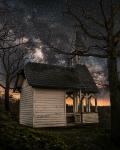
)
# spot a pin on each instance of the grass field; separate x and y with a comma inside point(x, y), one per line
point(87, 137)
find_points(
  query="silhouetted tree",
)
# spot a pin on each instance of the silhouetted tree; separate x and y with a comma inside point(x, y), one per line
point(13, 50)
point(105, 31)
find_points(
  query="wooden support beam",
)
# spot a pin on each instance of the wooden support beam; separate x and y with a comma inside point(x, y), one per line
point(96, 108)
point(76, 101)
point(87, 102)
point(73, 104)
point(81, 103)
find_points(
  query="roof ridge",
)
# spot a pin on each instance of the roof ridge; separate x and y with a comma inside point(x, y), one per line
point(47, 75)
point(55, 65)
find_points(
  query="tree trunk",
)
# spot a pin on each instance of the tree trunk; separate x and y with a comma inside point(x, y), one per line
point(7, 106)
point(114, 96)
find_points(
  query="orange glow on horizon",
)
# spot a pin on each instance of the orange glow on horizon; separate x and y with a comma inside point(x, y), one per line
point(100, 102)
point(103, 102)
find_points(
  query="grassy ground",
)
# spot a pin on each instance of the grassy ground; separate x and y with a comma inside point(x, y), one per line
point(16, 137)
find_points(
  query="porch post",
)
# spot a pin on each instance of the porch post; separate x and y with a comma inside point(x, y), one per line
point(73, 102)
point(81, 103)
point(76, 102)
point(96, 109)
point(87, 103)
point(80, 97)
point(77, 97)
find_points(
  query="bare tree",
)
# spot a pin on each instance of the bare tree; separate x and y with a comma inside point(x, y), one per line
point(104, 32)
point(12, 61)
point(107, 35)
point(13, 52)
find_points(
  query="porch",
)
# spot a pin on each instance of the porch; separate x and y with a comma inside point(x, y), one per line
point(81, 107)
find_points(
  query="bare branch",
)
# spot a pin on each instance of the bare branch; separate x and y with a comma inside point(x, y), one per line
point(2, 86)
point(13, 46)
point(116, 38)
point(93, 19)
point(92, 55)
point(81, 25)
point(103, 14)
point(59, 51)
point(103, 48)
point(79, 53)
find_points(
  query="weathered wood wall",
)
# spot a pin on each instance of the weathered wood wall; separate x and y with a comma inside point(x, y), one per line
point(26, 105)
point(90, 118)
point(49, 108)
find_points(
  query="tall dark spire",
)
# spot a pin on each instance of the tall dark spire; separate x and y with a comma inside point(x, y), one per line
point(79, 44)
point(78, 47)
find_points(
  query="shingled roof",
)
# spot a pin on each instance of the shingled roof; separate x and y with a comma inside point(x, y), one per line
point(53, 76)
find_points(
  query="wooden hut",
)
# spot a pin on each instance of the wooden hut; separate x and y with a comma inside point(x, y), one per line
point(45, 89)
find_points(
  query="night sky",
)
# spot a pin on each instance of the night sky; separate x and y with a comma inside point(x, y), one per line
point(44, 21)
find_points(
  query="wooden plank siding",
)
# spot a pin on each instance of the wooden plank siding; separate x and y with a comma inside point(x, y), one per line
point(90, 118)
point(49, 108)
point(26, 105)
